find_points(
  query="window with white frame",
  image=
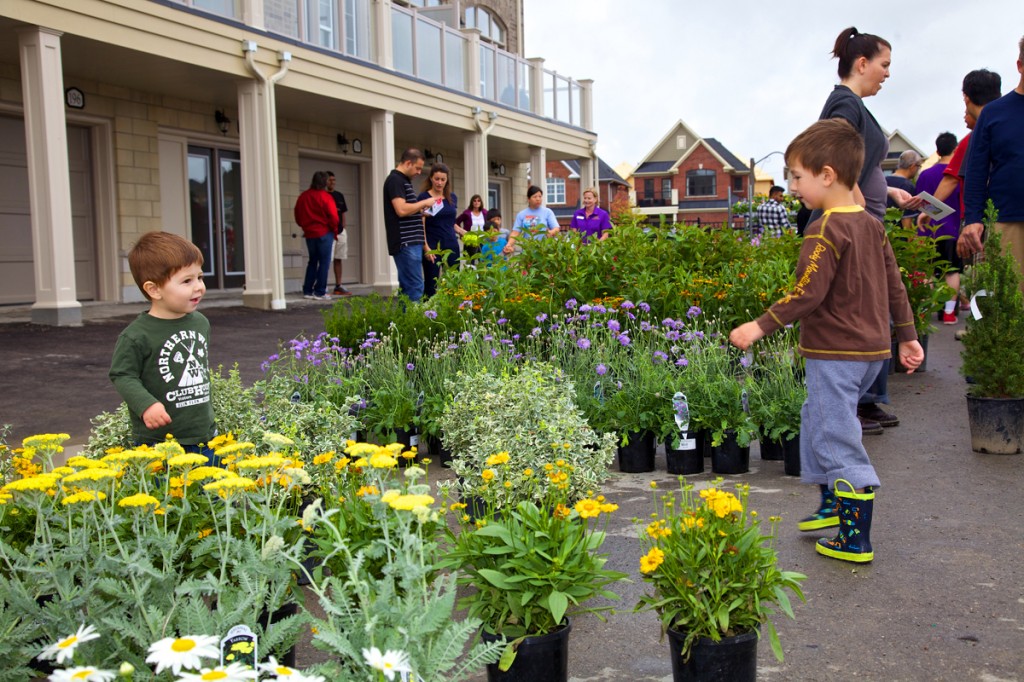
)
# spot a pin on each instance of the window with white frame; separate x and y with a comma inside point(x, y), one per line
point(492, 29)
point(556, 190)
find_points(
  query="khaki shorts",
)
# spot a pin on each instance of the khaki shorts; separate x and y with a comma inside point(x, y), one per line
point(1013, 242)
point(340, 249)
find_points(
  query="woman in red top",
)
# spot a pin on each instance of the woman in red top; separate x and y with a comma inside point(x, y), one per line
point(317, 215)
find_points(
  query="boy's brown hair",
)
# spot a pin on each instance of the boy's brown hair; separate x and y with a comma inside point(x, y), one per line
point(832, 142)
point(158, 255)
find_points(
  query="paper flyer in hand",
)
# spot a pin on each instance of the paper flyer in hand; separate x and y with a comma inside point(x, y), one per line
point(436, 207)
point(933, 208)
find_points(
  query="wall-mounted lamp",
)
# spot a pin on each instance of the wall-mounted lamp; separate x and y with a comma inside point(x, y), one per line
point(343, 143)
point(223, 122)
point(497, 168)
point(432, 157)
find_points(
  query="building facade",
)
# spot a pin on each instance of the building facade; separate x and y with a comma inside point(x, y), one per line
point(207, 118)
point(563, 188)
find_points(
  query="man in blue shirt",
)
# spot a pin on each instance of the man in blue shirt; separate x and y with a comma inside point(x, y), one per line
point(995, 170)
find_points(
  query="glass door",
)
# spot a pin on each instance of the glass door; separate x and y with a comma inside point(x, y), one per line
point(215, 198)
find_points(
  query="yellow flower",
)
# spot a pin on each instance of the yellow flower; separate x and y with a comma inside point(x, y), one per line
point(721, 502)
point(527, 472)
point(410, 453)
point(456, 506)
point(360, 463)
point(650, 561)
point(272, 461)
point(390, 495)
point(496, 459)
point(234, 449)
point(560, 463)
point(561, 511)
point(226, 485)
point(41, 482)
point(204, 532)
point(361, 449)
point(588, 508)
point(608, 508)
point(45, 440)
point(410, 502)
point(137, 455)
point(654, 485)
point(139, 500)
point(341, 463)
point(367, 490)
point(203, 473)
point(487, 474)
point(188, 459)
point(507, 484)
point(383, 460)
point(324, 458)
point(84, 496)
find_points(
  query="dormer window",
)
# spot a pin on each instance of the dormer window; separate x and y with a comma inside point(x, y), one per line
point(491, 28)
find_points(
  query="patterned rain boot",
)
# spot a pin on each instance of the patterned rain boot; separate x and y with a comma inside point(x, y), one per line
point(827, 514)
point(853, 543)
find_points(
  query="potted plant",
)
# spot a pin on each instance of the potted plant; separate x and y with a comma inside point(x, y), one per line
point(777, 396)
point(715, 580)
point(528, 412)
point(530, 566)
point(392, 401)
point(992, 358)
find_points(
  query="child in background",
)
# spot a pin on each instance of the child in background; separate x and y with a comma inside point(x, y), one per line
point(161, 363)
point(497, 238)
point(848, 284)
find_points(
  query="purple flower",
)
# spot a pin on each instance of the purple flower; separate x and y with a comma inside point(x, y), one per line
point(660, 357)
point(601, 369)
point(682, 362)
point(570, 304)
point(430, 314)
point(586, 308)
point(693, 312)
point(583, 343)
point(626, 305)
point(646, 326)
point(644, 307)
point(453, 346)
point(542, 317)
point(465, 304)
point(744, 361)
point(488, 337)
point(410, 367)
point(502, 320)
point(600, 309)
point(756, 241)
point(494, 352)
point(515, 337)
point(624, 340)
point(465, 337)
point(672, 335)
point(371, 334)
point(618, 385)
point(536, 331)
point(613, 325)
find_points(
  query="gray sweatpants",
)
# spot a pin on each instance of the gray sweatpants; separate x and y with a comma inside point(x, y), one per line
point(830, 437)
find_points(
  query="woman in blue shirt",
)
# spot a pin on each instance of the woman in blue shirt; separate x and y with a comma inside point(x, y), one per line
point(439, 225)
point(536, 220)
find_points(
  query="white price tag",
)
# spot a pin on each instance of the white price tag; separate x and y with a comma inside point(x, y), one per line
point(414, 440)
point(687, 443)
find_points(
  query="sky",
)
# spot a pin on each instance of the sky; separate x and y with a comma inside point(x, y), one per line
point(753, 75)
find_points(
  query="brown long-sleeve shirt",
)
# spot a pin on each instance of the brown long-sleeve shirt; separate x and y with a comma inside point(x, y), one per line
point(848, 285)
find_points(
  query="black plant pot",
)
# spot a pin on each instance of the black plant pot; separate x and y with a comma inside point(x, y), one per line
point(265, 620)
point(638, 456)
point(775, 450)
point(408, 438)
point(729, 457)
point(791, 455)
point(997, 425)
point(683, 461)
point(732, 658)
point(538, 659)
point(437, 450)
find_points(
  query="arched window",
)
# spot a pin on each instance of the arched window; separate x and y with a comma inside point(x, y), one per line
point(492, 29)
point(701, 183)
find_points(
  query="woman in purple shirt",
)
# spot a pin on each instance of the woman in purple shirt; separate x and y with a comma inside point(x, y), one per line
point(591, 220)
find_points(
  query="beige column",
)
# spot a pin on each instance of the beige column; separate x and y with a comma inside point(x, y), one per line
point(586, 118)
point(49, 184)
point(538, 169)
point(474, 154)
point(383, 275)
point(382, 29)
point(473, 61)
point(261, 186)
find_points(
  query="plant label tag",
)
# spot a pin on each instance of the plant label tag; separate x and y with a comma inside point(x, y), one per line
point(975, 310)
point(599, 392)
point(682, 409)
point(745, 401)
point(414, 440)
point(239, 646)
point(687, 443)
point(354, 436)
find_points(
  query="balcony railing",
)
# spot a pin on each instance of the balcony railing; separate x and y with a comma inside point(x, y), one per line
point(420, 47)
point(656, 198)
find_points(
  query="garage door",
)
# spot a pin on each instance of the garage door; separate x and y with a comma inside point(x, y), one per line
point(347, 182)
point(17, 279)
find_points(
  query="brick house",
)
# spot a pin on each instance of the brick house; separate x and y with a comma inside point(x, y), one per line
point(563, 188)
point(689, 178)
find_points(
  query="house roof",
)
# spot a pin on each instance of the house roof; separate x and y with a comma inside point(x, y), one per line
point(605, 173)
point(727, 155)
point(654, 167)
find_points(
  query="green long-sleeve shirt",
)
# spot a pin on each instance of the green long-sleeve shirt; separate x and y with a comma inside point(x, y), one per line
point(166, 361)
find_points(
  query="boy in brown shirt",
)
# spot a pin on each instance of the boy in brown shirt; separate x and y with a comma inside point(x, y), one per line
point(848, 285)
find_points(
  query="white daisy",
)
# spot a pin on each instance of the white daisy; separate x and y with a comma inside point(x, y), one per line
point(236, 672)
point(65, 648)
point(389, 662)
point(286, 674)
point(82, 674)
point(183, 652)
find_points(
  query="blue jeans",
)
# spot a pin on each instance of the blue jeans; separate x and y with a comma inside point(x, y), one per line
point(409, 262)
point(318, 266)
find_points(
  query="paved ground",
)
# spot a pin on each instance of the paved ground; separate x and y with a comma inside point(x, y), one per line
point(943, 600)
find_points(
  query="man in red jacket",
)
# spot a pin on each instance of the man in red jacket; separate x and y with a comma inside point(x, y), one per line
point(317, 215)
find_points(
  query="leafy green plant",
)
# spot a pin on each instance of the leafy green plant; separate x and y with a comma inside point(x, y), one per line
point(712, 571)
point(992, 347)
point(529, 413)
point(531, 564)
point(915, 255)
point(777, 389)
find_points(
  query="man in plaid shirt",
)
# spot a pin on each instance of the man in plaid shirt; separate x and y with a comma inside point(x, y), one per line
point(772, 215)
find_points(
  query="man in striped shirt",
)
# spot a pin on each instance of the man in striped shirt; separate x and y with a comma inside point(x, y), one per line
point(403, 221)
